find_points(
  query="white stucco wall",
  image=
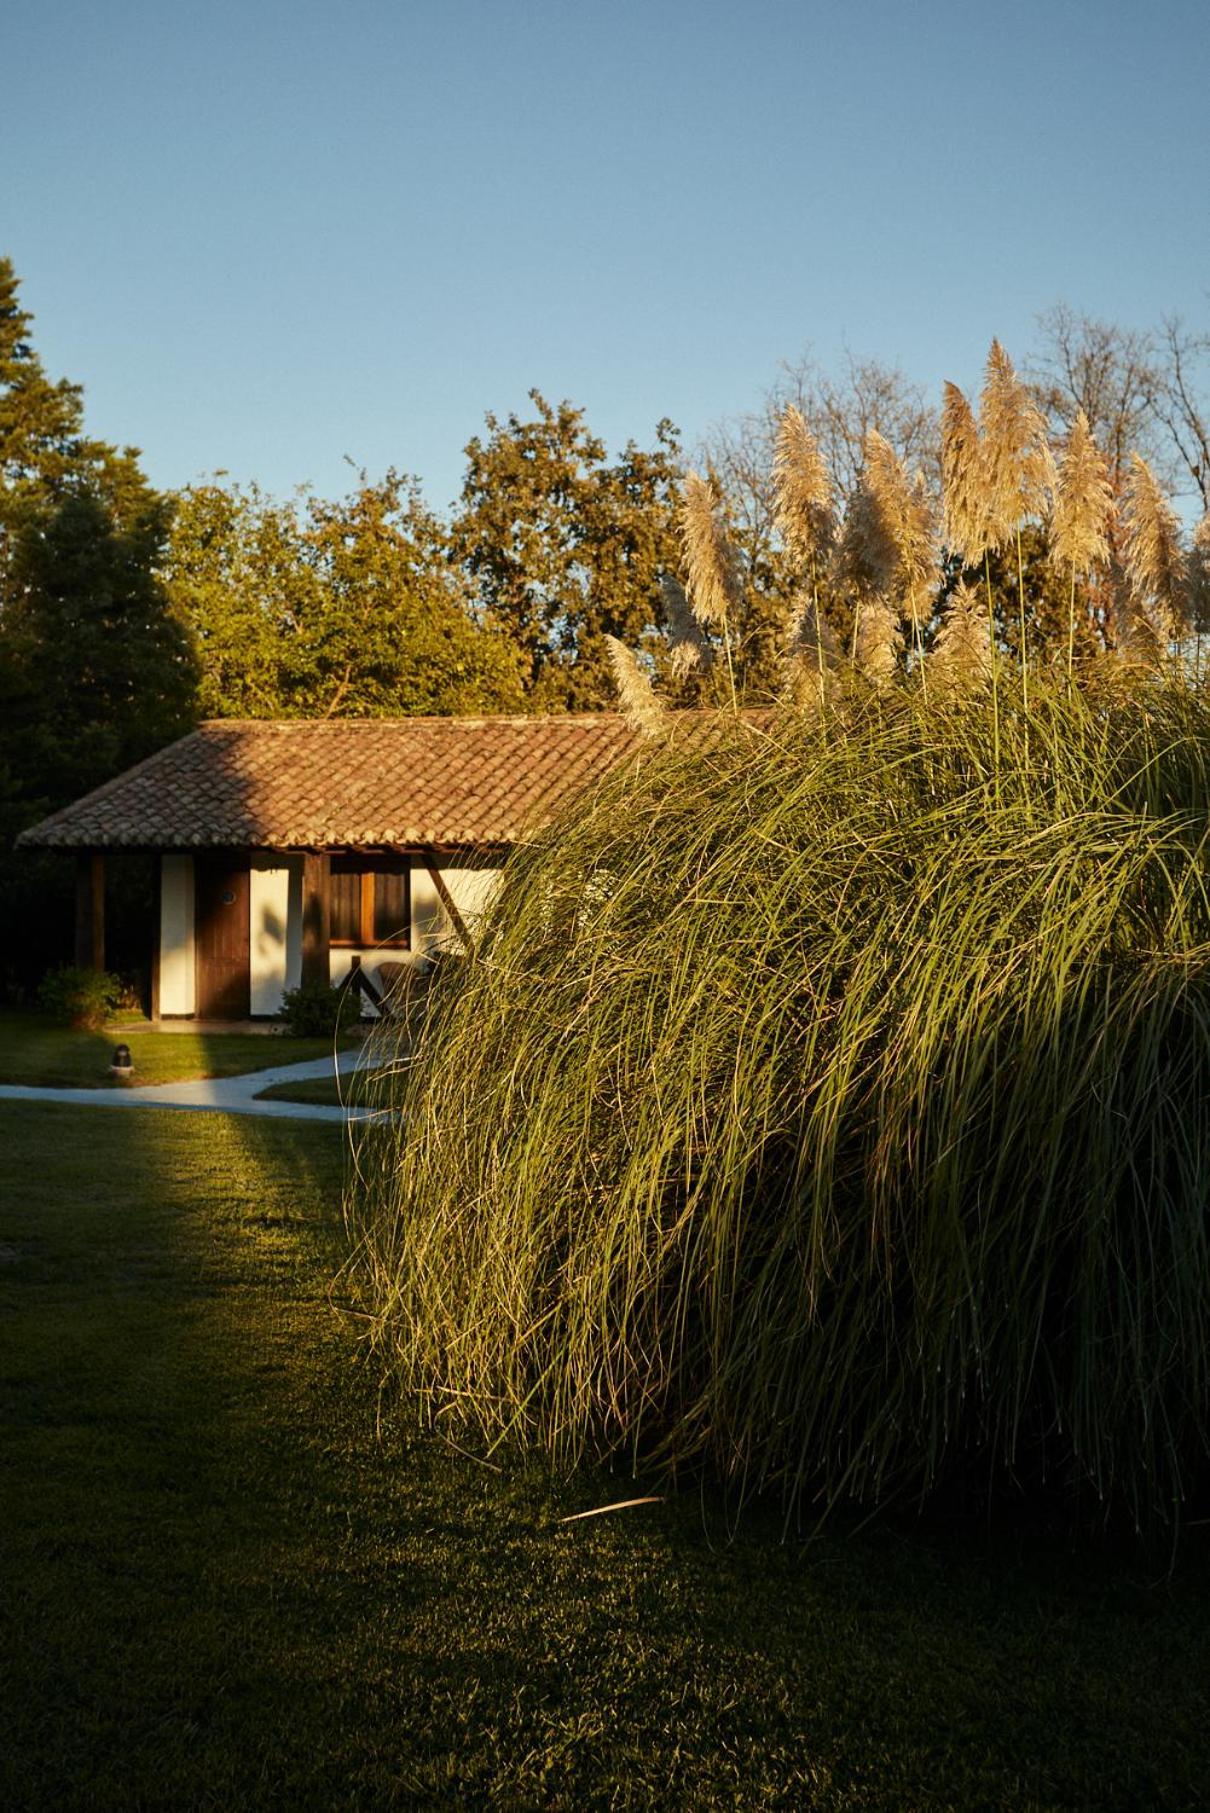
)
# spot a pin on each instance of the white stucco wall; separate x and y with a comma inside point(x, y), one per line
point(471, 888)
point(176, 935)
point(270, 944)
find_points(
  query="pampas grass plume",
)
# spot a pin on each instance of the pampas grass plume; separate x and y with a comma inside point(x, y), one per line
point(879, 642)
point(691, 647)
point(1155, 562)
point(714, 581)
point(1083, 507)
point(804, 508)
point(962, 478)
point(961, 660)
point(1015, 459)
point(1199, 576)
point(640, 705)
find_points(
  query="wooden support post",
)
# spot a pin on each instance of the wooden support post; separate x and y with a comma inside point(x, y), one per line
point(157, 935)
point(90, 910)
point(317, 918)
point(447, 901)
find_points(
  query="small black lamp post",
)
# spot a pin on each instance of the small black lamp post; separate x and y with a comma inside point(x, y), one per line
point(121, 1064)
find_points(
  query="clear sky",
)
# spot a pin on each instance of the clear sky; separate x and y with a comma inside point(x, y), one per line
point(268, 236)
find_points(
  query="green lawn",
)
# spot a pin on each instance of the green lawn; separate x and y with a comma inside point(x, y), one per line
point(36, 1050)
point(225, 1586)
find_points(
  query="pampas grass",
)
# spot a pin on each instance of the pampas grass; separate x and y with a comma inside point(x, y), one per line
point(818, 1113)
point(715, 583)
point(903, 507)
point(1080, 519)
point(825, 1103)
point(641, 706)
point(691, 648)
point(715, 579)
point(963, 489)
point(804, 501)
point(961, 659)
point(1016, 466)
point(1155, 563)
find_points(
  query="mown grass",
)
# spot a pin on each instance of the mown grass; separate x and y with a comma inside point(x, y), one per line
point(37, 1051)
point(226, 1586)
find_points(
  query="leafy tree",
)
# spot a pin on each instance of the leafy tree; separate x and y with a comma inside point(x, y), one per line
point(313, 608)
point(563, 548)
point(100, 671)
point(95, 671)
point(44, 451)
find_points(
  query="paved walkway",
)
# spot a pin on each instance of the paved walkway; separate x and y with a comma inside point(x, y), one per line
point(213, 1095)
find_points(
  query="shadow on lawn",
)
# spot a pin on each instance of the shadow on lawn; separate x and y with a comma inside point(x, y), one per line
point(238, 1580)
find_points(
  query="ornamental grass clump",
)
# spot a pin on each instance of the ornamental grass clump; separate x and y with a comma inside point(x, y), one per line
point(825, 1106)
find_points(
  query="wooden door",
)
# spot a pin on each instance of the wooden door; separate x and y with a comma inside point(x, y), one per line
point(221, 936)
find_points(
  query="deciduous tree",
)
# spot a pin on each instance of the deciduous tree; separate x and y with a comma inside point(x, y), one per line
point(564, 548)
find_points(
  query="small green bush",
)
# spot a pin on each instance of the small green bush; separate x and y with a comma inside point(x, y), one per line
point(318, 1010)
point(80, 997)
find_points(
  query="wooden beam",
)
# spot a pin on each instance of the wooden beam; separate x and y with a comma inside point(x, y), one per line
point(317, 918)
point(157, 935)
point(90, 910)
point(447, 901)
point(365, 909)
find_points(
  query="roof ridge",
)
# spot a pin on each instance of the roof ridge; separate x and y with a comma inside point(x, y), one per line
point(546, 719)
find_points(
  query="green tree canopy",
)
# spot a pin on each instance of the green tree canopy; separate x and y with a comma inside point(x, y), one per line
point(564, 548)
point(99, 672)
point(311, 608)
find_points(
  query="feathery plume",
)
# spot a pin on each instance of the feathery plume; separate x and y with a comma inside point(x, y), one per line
point(961, 661)
point(1017, 467)
point(878, 641)
point(1199, 577)
point(811, 634)
point(715, 587)
point(962, 479)
point(1155, 562)
point(1079, 522)
point(866, 556)
point(904, 508)
point(804, 508)
point(640, 705)
point(692, 651)
point(811, 656)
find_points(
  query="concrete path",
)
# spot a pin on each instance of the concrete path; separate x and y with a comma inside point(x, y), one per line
point(213, 1095)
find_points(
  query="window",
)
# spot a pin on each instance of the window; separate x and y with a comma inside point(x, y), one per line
point(370, 901)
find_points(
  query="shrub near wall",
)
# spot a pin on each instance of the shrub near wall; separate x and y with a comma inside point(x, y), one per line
point(828, 1106)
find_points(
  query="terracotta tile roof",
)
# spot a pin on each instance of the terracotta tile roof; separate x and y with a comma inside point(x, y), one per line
point(444, 781)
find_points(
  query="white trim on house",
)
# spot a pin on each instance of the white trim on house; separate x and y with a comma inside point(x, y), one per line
point(177, 960)
point(275, 887)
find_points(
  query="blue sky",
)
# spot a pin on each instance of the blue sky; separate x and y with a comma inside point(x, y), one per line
point(265, 237)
